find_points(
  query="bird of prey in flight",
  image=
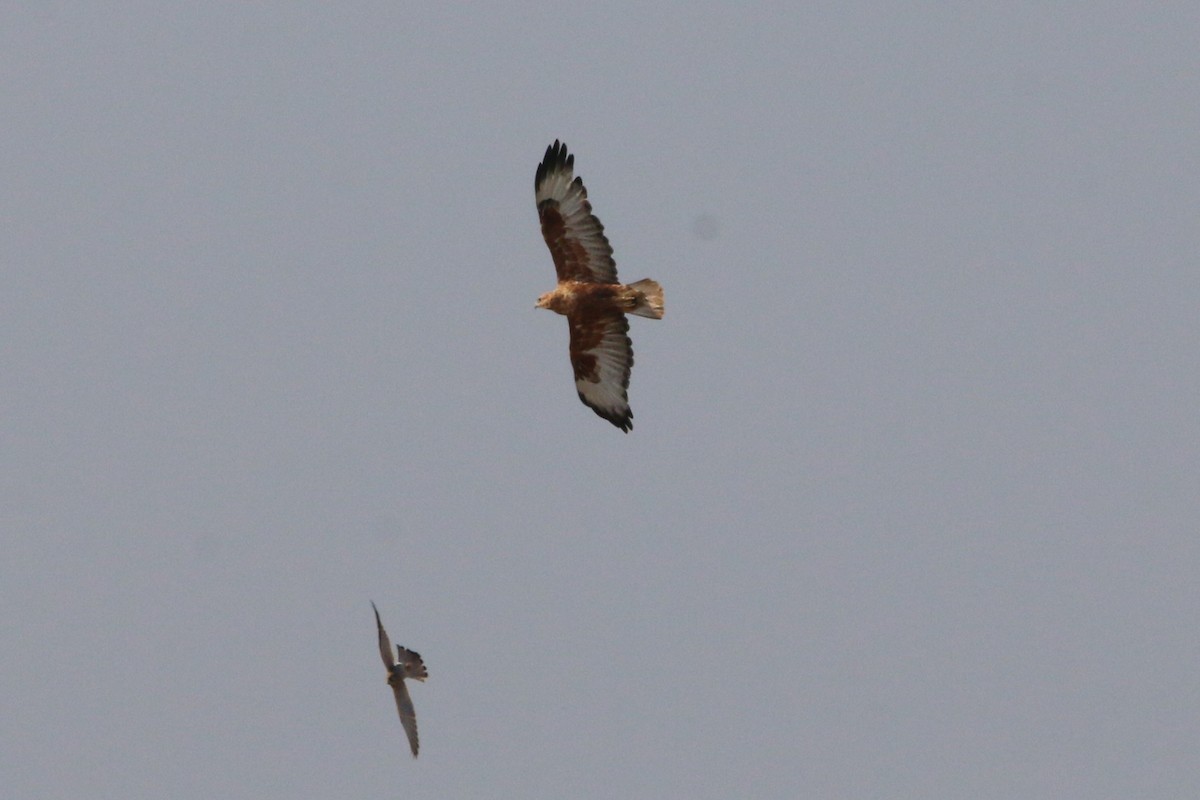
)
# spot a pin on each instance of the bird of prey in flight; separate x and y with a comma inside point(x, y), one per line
point(588, 293)
point(405, 664)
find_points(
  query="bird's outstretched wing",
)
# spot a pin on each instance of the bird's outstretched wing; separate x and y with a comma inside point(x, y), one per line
point(602, 357)
point(576, 239)
point(385, 644)
point(408, 714)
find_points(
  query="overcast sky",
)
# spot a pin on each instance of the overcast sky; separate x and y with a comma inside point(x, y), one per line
point(910, 505)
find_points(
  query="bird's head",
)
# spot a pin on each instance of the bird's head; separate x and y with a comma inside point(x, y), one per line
point(544, 300)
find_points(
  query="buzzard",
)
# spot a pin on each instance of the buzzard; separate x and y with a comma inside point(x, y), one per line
point(406, 664)
point(588, 293)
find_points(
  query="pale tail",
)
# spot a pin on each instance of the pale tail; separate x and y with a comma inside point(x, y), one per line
point(650, 301)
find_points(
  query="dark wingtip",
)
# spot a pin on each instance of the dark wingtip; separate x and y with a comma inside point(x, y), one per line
point(557, 158)
point(559, 152)
point(622, 421)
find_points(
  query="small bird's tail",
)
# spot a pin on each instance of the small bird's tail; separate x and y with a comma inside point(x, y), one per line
point(650, 299)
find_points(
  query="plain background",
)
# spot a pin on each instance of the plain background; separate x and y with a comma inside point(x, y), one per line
point(910, 507)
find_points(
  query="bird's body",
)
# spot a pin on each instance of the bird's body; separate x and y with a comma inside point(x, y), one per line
point(579, 297)
point(588, 293)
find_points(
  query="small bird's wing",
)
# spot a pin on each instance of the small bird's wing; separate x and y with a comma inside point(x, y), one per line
point(602, 357)
point(412, 663)
point(576, 239)
point(385, 644)
point(408, 714)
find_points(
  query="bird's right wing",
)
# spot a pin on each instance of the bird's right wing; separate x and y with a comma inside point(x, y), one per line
point(602, 358)
point(408, 714)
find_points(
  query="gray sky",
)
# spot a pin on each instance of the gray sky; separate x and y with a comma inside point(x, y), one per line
point(910, 507)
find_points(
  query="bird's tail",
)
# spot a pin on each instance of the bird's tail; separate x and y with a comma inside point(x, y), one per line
point(413, 664)
point(649, 299)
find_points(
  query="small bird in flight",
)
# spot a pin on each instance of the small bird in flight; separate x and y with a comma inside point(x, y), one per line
point(406, 664)
point(588, 293)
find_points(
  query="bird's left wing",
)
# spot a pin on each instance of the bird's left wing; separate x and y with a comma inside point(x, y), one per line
point(576, 239)
point(385, 644)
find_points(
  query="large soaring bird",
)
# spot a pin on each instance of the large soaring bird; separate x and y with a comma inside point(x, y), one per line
point(406, 664)
point(588, 293)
